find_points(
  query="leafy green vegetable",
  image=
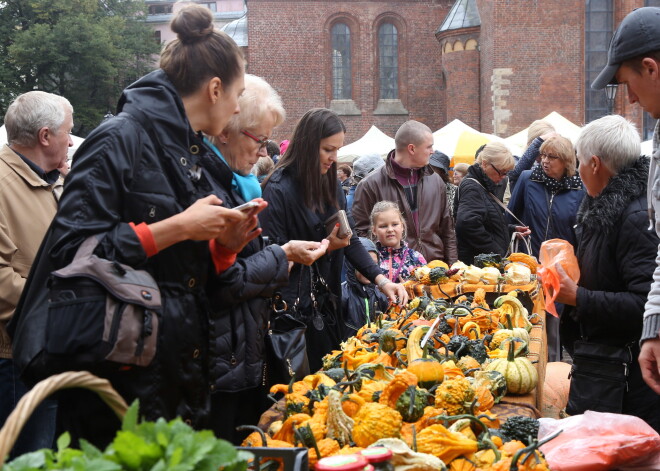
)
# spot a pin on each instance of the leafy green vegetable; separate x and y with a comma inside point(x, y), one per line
point(146, 446)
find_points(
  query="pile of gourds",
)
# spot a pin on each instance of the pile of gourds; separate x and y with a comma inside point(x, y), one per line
point(434, 391)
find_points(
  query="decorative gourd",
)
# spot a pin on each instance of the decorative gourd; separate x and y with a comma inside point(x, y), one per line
point(459, 268)
point(438, 275)
point(510, 304)
point(461, 464)
point(391, 340)
point(451, 370)
point(441, 443)
point(371, 390)
point(422, 274)
point(490, 275)
point(396, 387)
point(429, 371)
point(521, 376)
point(260, 439)
point(326, 447)
point(375, 421)
point(493, 380)
point(454, 395)
point(528, 260)
point(286, 433)
point(411, 404)
point(413, 347)
point(339, 424)
point(472, 274)
point(351, 403)
point(518, 274)
point(437, 264)
point(467, 363)
point(485, 399)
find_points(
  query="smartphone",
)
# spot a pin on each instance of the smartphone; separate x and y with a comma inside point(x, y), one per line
point(247, 207)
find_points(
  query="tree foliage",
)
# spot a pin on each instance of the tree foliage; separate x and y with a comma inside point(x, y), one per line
point(85, 50)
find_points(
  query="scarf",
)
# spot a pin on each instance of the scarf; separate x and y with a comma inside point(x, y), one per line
point(246, 186)
point(565, 183)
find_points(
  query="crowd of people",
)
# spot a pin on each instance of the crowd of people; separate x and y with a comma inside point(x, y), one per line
point(186, 185)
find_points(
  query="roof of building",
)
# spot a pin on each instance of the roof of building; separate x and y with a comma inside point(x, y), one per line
point(464, 14)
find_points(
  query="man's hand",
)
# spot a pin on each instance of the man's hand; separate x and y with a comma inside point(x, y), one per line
point(649, 361)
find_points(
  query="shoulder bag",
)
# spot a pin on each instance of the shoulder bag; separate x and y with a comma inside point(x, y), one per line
point(286, 348)
point(599, 377)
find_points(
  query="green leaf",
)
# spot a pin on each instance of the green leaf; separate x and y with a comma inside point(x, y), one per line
point(131, 417)
point(63, 441)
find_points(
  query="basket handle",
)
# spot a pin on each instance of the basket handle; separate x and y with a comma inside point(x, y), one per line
point(29, 402)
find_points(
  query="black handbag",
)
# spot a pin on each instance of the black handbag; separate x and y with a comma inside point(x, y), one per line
point(599, 377)
point(286, 348)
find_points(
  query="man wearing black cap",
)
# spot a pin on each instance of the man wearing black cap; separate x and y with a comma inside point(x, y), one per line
point(633, 59)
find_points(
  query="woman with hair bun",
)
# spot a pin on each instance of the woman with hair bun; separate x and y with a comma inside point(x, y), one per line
point(146, 185)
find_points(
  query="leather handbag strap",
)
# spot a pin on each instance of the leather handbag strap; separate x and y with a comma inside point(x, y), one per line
point(497, 200)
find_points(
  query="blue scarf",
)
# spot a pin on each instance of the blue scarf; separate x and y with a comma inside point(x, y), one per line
point(246, 186)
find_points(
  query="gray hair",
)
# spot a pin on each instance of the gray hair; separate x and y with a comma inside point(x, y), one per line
point(410, 132)
point(32, 111)
point(258, 99)
point(612, 138)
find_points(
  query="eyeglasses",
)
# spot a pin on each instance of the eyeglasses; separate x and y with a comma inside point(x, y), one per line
point(545, 156)
point(262, 142)
point(500, 173)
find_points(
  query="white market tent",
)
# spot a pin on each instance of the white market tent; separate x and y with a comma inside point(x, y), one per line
point(76, 141)
point(374, 141)
point(460, 141)
point(562, 125)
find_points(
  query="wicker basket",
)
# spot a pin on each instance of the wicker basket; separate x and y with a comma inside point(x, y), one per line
point(28, 403)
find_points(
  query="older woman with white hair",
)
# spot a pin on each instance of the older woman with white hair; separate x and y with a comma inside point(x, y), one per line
point(240, 309)
point(602, 322)
point(480, 223)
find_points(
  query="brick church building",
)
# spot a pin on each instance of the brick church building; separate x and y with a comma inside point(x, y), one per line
point(497, 65)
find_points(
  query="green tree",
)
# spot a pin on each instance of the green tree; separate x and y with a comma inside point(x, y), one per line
point(84, 50)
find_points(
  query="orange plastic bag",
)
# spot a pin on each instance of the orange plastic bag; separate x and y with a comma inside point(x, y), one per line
point(555, 251)
point(600, 441)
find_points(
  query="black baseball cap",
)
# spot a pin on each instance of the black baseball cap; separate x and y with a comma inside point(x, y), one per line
point(638, 34)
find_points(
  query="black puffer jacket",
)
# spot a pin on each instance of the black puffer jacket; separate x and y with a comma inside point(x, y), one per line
point(616, 253)
point(241, 309)
point(480, 223)
point(126, 172)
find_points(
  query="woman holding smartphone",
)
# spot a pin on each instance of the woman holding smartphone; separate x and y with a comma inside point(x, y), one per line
point(240, 307)
point(302, 192)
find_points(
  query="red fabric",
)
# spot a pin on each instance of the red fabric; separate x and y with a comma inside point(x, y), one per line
point(146, 238)
point(222, 257)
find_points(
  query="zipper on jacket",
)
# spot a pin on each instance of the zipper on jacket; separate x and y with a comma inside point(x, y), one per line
point(547, 224)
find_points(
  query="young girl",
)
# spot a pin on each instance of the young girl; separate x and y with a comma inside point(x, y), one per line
point(388, 227)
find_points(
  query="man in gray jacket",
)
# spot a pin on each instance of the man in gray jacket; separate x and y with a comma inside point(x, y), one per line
point(408, 180)
point(633, 59)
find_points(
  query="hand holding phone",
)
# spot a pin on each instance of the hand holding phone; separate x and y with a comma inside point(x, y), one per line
point(247, 207)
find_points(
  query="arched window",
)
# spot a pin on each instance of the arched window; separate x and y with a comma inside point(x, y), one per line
point(388, 61)
point(341, 62)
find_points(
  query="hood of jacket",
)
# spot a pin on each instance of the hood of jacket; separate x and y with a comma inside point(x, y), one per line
point(602, 212)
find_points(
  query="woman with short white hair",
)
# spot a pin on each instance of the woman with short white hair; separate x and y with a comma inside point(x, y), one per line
point(616, 254)
point(480, 223)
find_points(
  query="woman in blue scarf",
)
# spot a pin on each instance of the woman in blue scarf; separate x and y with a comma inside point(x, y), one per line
point(240, 308)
